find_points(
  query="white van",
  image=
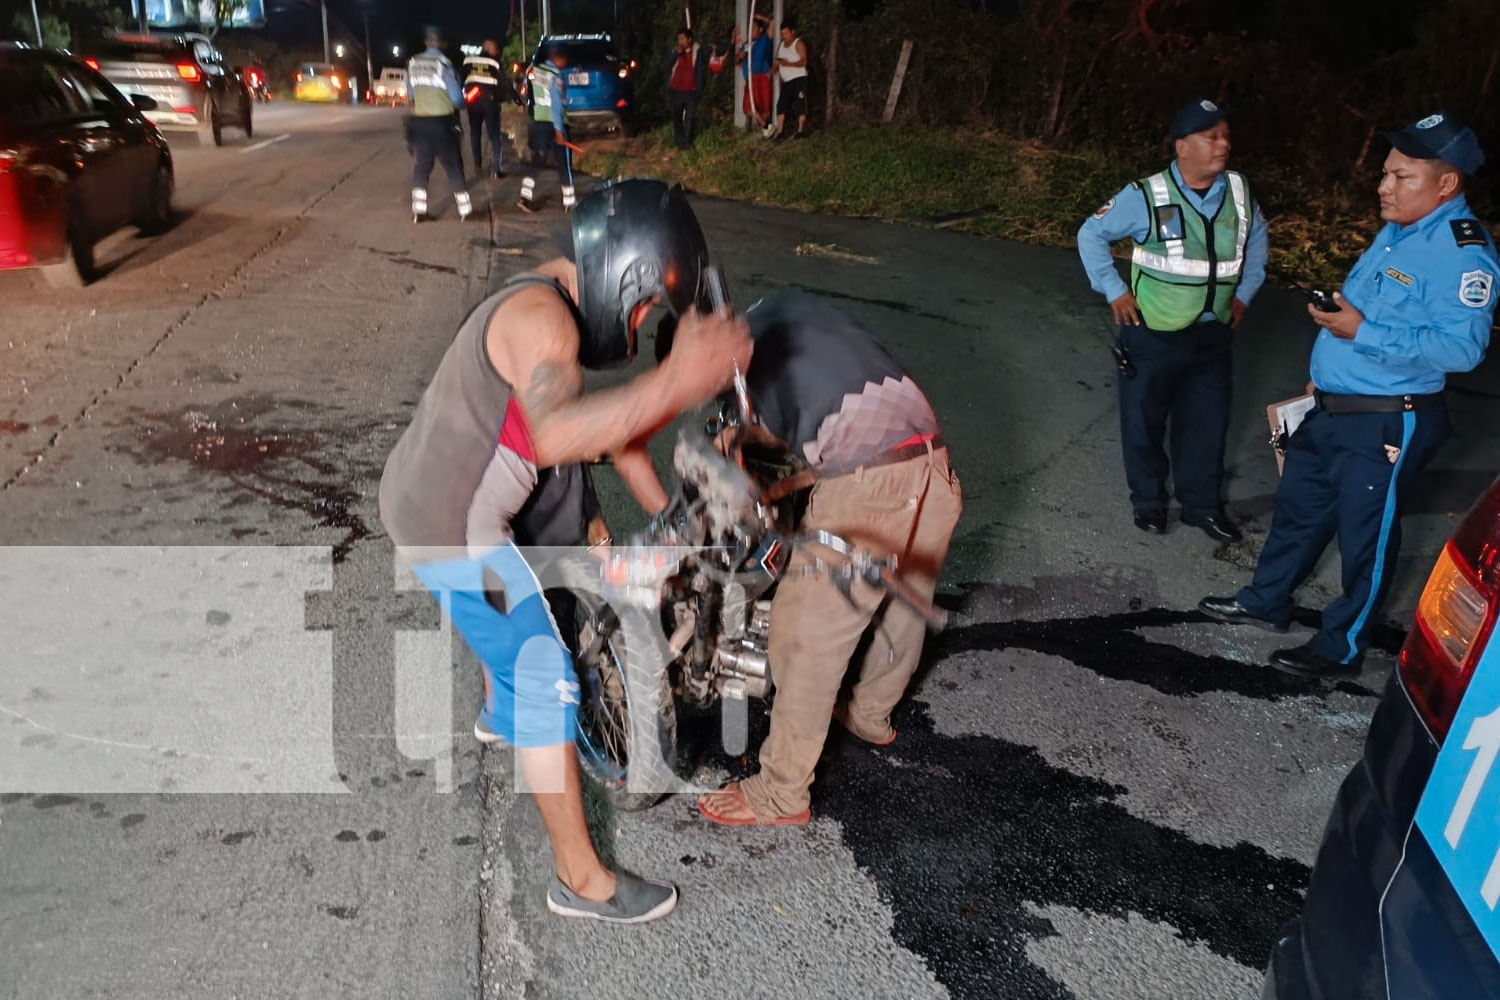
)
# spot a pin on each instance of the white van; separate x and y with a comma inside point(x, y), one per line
point(390, 86)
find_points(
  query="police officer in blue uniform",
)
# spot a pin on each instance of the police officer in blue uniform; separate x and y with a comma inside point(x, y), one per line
point(1199, 258)
point(1416, 306)
point(432, 88)
point(549, 128)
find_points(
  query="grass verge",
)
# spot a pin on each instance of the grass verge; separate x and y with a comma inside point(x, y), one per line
point(972, 182)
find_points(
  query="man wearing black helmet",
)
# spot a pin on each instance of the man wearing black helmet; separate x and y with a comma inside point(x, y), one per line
point(506, 402)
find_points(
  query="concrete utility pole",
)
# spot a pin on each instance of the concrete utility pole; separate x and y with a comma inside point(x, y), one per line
point(326, 57)
point(546, 18)
point(369, 60)
point(35, 17)
point(743, 9)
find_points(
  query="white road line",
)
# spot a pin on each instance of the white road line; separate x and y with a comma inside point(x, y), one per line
point(266, 142)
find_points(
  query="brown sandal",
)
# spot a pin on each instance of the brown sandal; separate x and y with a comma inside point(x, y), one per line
point(734, 790)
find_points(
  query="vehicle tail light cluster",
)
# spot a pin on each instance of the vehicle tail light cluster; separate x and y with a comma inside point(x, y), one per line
point(1455, 616)
point(189, 72)
point(91, 63)
point(7, 160)
point(336, 83)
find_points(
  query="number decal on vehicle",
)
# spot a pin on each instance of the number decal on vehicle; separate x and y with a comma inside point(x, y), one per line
point(1459, 815)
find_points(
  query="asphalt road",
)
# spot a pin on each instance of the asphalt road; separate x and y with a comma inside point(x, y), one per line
point(222, 774)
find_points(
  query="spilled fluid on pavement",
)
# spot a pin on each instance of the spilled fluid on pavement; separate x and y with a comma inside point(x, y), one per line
point(238, 442)
point(969, 836)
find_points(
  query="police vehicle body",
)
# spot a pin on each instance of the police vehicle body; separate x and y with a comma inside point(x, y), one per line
point(1402, 902)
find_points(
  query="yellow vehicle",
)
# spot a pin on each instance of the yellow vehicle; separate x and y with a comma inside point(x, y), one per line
point(320, 82)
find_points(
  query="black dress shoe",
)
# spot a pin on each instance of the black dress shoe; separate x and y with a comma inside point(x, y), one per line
point(1216, 526)
point(1301, 661)
point(1227, 609)
point(1152, 520)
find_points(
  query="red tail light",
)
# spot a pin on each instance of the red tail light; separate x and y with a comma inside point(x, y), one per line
point(7, 161)
point(620, 103)
point(299, 77)
point(91, 63)
point(189, 72)
point(336, 84)
point(1455, 616)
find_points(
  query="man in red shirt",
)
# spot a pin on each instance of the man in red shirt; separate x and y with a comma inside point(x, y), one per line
point(687, 72)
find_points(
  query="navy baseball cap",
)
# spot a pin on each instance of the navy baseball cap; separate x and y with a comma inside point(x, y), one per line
point(1440, 136)
point(1196, 116)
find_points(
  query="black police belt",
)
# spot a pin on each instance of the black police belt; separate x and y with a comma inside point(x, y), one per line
point(1340, 403)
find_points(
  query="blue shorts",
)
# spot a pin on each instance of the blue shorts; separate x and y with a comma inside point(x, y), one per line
point(534, 690)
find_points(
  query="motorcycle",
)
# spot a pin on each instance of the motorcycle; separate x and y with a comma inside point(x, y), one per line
point(256, 81)
point(682, 612)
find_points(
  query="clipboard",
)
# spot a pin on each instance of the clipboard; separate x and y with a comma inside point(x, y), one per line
point(1284, 417)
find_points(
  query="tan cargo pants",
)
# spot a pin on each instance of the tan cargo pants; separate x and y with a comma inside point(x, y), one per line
point(907, 508)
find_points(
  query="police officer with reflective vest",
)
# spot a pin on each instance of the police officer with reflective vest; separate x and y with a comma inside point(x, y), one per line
point(482, 93)
point(549, 128)
point(432, 88)
point(1199, 258)
point(1416, 306)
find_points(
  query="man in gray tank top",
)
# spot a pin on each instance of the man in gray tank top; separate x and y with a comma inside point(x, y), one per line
point(822, 388)
point(507, 402)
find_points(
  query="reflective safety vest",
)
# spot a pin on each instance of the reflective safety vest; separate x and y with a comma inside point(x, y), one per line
point(429, 87)
point(545, 77)
point(1189, 264)
point(484, 73)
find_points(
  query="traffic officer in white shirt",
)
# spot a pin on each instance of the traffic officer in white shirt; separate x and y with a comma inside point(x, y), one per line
point(1199, 258)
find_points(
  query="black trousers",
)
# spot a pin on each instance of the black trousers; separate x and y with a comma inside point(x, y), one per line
point(484, 116)
point(436, 139)
point(684, 106)
point(1177, 404)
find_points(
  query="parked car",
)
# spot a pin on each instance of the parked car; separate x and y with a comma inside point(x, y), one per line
point(186, 77)
point(77, 162)
point(1402, 900)
point(320, 82)
point(600, 89)
point(390, 86)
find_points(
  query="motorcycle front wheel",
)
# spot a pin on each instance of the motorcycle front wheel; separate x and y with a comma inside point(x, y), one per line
point(626, 735)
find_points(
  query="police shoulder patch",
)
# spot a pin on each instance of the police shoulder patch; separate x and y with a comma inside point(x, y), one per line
point(1468, 232)
point(1104, 209)
point(1475, 288)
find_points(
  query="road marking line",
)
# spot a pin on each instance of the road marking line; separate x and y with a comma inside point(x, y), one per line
point(266, 142)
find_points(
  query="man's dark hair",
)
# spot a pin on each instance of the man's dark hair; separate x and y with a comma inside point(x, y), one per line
point(687, 32)
point(789, 25)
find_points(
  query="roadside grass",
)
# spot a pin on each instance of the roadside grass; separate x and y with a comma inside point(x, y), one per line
point(974, 182)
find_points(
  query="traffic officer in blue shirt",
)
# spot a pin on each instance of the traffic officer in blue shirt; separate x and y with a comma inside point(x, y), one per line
point(1416, 306)
point(549, 128)
point(432, 88)
point(1199, 258)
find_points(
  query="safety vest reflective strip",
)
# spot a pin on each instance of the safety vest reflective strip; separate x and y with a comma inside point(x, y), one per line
point(483, 70)
point(541, 90)
point(1175, 261)
point(425, 72)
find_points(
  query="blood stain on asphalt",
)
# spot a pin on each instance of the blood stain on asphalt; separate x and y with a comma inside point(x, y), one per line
point(280, 466)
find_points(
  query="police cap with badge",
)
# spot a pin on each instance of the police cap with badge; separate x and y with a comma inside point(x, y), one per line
point(1441, 136)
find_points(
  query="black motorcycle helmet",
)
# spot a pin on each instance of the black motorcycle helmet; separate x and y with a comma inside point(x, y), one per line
point(632, 239)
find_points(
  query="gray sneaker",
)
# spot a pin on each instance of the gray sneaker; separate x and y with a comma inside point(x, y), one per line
point(636, 900)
